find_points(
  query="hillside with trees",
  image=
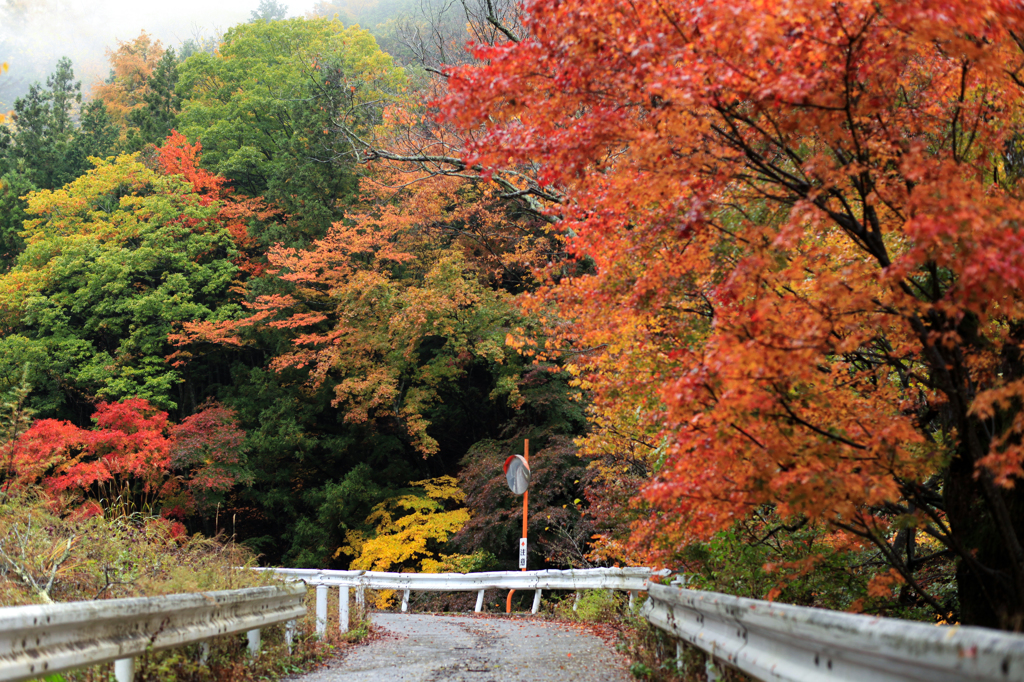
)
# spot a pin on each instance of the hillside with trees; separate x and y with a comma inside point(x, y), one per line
point(748, 277)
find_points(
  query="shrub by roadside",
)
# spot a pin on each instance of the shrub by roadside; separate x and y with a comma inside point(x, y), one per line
point(651, 652)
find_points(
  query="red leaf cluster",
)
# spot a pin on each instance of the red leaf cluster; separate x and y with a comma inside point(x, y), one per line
point(127, 445)
point(132, 451)
point(177, 157)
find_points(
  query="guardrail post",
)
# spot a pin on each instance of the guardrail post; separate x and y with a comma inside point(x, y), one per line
point(536, 601)
point(361, 601)
point(712, 669)
point(480, 601)
point(343, 609)
point(289, 634)
point(405, 601)
point(124, 669)
point(204, 652)
point(254, 642)
point(679, 657)
point(321, 610)
point(576, 601)
point(632, 597)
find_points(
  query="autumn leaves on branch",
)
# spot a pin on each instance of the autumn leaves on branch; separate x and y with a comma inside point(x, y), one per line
point(802, 229)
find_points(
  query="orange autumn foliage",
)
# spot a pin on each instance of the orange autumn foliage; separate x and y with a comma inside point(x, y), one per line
point(177, 157)
point(798, 226)
point(131, 66)
point(361, 306)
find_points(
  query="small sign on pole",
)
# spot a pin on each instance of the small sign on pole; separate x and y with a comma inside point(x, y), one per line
point(522, 552)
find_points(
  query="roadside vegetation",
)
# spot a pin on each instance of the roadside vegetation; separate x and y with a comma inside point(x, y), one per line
point(47, 558)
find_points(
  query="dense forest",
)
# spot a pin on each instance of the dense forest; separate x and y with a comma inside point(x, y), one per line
point(747, 276)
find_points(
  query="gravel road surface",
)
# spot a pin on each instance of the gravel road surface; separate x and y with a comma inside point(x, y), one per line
point(425, 648)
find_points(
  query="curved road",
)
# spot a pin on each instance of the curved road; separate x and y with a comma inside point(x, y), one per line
point(427, 648)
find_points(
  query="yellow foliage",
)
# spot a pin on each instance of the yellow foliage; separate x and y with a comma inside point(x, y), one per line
point(407, 529)
point(404, 540)
point(3, 69)
point(442, 488)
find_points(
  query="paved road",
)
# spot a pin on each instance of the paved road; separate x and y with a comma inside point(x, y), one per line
point(422, 648)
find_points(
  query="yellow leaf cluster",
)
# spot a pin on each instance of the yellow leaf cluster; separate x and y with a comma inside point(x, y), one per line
point(408, 530)
point(3, 69)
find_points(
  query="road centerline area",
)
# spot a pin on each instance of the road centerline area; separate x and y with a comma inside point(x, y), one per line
point(433, 648)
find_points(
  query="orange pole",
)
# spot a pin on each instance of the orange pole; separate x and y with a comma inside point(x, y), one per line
point(526, 495)
point(526, 499)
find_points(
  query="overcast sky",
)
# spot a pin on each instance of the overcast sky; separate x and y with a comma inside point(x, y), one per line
point(126, 18)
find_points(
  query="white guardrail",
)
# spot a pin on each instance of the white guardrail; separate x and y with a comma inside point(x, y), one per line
point(771, 641)
point(41, 640)
point(632, 580)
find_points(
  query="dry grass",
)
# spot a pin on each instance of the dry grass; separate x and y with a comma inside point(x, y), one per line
point(44, 557)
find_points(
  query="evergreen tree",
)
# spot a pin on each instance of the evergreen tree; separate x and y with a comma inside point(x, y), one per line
point(45, 145)
point(66, 95)
point(162, 103)
point(14, 184)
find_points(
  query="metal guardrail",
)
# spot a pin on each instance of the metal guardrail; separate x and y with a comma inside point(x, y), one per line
point(769, 641)
point(629, 579)
point(573, 579)
point(779, 642)
point(41, 640)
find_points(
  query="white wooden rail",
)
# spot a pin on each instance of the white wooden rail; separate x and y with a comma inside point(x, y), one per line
point(41, 640)
point(777, 642)
point(628, 579)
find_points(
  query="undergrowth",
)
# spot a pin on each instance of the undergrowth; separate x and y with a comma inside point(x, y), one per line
point(46, 558)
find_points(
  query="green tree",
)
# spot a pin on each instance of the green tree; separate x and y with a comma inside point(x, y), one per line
point(14, 186)
point(154, 121)
point(112, 262)
point(97, 135)
point(44, 120)
point(46, 145)
point(266, 108)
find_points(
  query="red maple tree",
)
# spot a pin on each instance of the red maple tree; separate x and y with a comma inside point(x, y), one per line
point(797, 226)
point(176, 156)
point(132, 459)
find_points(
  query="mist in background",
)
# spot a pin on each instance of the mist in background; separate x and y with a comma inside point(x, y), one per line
point(34, 34)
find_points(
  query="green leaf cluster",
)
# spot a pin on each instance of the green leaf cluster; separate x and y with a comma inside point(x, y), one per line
point(268, 107)
point(112, 263)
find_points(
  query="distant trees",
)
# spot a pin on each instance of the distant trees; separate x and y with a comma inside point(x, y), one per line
point(52, 135)
point(47, 143)
point(131, 66)
point(349, 322)
point(268, 10)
